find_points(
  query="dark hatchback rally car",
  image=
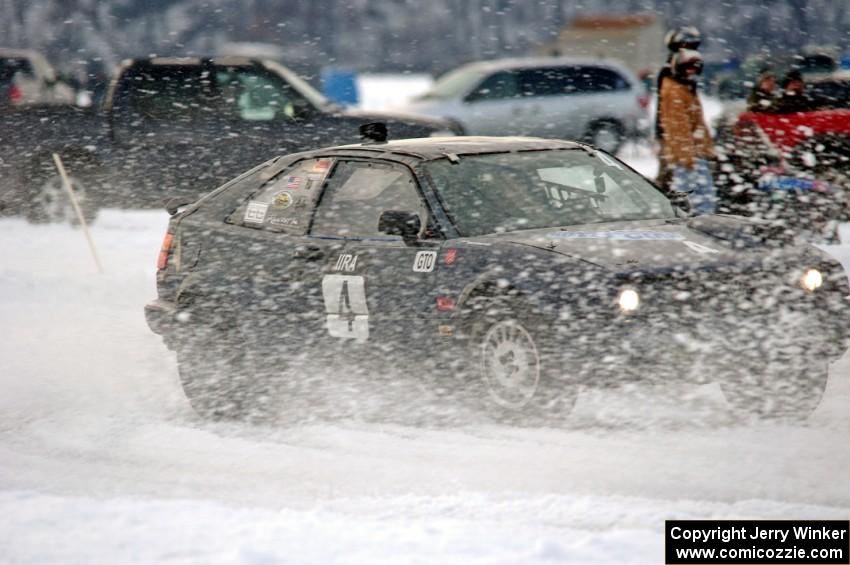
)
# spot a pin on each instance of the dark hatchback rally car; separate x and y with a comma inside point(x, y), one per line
point(508, 271)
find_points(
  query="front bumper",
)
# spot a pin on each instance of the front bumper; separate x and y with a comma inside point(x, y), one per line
point(161, 316)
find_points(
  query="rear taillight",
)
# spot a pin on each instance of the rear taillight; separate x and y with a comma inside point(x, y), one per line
point(165, 251)
point(15, 94)
point(643, 101)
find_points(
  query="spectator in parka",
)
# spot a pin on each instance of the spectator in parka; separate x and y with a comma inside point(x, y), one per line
point(686, 145)
point(763, 96)
point(687, 37)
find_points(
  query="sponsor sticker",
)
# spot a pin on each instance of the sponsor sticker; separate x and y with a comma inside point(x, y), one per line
point(346, 262)
point(322, 166)
point(282, 200)
point(255, 213)
point(619, 235)
point(424, 261)
point(285, 221)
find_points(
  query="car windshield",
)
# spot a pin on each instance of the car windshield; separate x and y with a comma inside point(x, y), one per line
point(503, 192)
point(453, 84)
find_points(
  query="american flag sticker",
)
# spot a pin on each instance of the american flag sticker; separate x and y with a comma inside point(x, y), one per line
point(293, 182)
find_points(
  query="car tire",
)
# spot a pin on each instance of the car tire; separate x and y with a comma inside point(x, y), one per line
point(783, 379)
point(516, 373)
point(48, 200)
point(607, 135)
point(777, 395)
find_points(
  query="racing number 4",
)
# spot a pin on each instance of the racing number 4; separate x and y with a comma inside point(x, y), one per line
point(345, 306)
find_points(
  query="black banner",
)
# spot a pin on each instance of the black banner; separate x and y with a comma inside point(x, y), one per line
point(757, 542)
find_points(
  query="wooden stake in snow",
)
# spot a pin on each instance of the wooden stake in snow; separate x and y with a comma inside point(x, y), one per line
point(66, 182)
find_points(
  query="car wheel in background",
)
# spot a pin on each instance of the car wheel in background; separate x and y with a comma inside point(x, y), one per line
point(607, 135)
point(49, 201)
point(515, 370)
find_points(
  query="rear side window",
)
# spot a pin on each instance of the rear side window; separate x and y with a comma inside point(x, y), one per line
point(549, 81)
point(358, 193)
point(558, 81)
point(284, 203)
point(168, 92)
point(599, 79)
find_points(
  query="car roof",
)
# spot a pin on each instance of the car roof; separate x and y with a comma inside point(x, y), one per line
point(428, 148)
point(515, 63)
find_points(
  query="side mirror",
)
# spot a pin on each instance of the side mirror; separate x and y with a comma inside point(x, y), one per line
point(400, 222)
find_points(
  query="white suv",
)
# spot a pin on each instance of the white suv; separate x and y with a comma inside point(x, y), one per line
point(598, 101)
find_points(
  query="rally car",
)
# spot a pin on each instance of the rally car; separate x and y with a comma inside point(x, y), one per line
point(505, 271)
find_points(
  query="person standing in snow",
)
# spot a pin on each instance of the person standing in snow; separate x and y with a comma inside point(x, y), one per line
point(687, 37)
point(686, 148)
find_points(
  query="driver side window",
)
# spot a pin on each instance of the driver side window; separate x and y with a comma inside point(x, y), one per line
point(254, 95)
point(358, 193)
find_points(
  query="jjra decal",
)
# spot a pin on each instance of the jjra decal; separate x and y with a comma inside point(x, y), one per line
point(255, 213)
point(346, 262)
point(424, 261)
point(345, 306)
point(619, 235)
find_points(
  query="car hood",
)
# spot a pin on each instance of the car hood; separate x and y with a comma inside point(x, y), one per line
point(648, 244)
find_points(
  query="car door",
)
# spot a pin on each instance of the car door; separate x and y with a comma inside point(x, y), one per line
point(494, 107)
point(552, 107)
point(284, 300)
point(378, 289)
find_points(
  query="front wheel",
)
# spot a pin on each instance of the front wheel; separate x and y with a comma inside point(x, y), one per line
point(784, 377)
point(515, 368)
point(789, 394)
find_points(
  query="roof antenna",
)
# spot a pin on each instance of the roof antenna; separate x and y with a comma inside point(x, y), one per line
point(375, 132)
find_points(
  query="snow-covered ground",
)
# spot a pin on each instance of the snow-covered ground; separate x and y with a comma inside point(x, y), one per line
point(102, 461)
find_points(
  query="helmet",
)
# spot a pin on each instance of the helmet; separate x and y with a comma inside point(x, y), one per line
point(684, 59)
point(687, 37)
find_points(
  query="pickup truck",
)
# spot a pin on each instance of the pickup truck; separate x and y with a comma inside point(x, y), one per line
point(172, 128)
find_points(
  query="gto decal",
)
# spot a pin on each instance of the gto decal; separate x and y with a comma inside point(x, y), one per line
point(424, 261)
point(345, 306)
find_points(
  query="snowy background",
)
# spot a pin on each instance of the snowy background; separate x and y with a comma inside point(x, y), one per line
point(103, 461)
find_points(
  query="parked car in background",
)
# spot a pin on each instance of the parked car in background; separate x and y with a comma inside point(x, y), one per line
point(790, 167)
point(26, 78)
point(172, 127)
point(597, 101)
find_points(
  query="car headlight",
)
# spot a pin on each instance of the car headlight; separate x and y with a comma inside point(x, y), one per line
point(442, 133)
point(629, 300)
point(812, 280)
